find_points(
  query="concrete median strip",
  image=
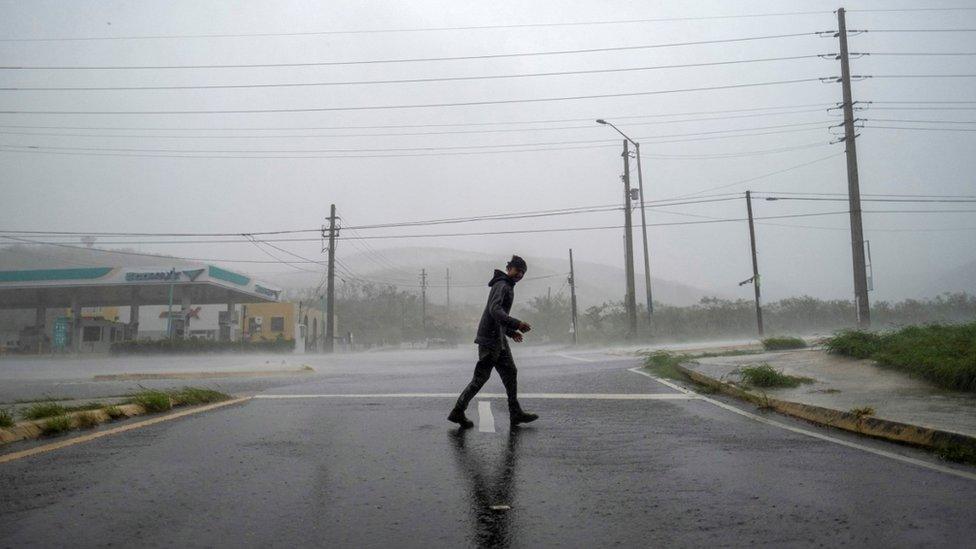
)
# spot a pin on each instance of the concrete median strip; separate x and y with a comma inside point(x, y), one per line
point(894, 431)
point(889, 430)
point(35, 431)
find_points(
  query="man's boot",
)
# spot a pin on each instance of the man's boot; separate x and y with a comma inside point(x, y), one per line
point(517, 415)
point(457, 416)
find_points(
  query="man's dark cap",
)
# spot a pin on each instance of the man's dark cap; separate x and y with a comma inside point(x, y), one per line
point(518, 263)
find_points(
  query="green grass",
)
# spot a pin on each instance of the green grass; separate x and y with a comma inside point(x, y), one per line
point(153, 401)
point(957, 453)
point(87, 420)
point(56, 425)
point(663, 364)
point(114, 412)
point(42, 410)
point(6, 418)
point(942, 354)
point(781, 343)
point(853, 343)
point(189, 396)
point(765, 376)
point(730, 352)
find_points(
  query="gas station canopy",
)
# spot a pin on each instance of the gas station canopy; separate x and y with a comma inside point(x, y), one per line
point(121, 286)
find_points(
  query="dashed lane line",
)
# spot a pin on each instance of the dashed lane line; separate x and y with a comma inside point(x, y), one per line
point(813, 434)
point(486, 421)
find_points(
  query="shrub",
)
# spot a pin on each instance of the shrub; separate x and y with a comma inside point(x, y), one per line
point(663, 364)
point(942, 354)
point(764, 375)
point(153, 401)
point(114, 412)
point(189, 396)
point(854, 343)
point(42, 410)
point(781, 343)
point(6, 418)
point(56, 425)
point(87, 420)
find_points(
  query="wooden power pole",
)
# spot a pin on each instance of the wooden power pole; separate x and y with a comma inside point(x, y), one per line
point(630, 301)
point(572, 297)
point(329, 343)
point(755, 263)
point(853, 187)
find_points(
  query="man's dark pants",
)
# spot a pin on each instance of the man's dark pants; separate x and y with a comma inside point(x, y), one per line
point(500, 358)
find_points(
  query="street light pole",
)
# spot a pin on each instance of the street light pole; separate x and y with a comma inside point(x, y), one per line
point(640, 186)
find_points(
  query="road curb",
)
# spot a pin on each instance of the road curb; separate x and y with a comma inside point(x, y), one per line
point(4, 458)
point(27, 430)
point(886, 429)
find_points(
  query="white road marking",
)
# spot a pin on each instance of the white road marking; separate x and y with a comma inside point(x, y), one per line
point(486, 421)
point(559, 396)
point(760, 419)
point(571, 357)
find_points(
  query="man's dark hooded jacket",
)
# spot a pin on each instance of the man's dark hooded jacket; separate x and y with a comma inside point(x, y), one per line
point(495, 322)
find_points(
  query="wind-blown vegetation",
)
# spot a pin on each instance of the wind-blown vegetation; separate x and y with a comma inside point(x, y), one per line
point(942, 354)
point(782, 343)
point(765, 376)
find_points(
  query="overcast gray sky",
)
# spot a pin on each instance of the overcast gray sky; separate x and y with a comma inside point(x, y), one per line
point(109, 181)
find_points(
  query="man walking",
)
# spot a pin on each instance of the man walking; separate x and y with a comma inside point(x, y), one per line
point(493, 350)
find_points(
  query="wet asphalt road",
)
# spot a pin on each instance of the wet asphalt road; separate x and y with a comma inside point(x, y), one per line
point(375, 471)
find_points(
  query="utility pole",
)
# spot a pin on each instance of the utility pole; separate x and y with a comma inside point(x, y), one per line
point(449, 290)
point(572, 297)
point(423, 294)
point(853, 188)
point(647, 259)
point(330, 288)
point(755, 263)
point(630, 303)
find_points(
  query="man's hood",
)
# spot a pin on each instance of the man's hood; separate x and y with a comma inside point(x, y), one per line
point(500, 275)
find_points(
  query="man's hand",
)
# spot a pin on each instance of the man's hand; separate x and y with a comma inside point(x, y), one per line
point(524, 327)
point(517, 337)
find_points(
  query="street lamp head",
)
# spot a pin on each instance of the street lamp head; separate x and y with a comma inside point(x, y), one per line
point(601, 121)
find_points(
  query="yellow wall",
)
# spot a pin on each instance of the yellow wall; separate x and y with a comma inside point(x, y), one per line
point(108, 313)
point(287, 311)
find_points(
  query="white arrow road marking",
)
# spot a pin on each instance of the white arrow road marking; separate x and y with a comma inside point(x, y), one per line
point(486, 421)
point(760, 419)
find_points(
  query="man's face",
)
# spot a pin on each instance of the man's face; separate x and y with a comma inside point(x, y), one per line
point(515, 273)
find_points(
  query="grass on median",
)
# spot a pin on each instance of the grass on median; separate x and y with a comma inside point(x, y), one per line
point(155, 401)
point(56, 425)
point(87, 420)
point(43, 410)
point(765, 376)
point(942, 354)
point(782, 343)
point(663, 364)
point(114, 412)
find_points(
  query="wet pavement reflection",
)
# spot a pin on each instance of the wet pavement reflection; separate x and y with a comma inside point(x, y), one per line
point(491, 497)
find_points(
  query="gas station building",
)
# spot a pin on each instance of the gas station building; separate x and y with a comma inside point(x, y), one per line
point(68, 291)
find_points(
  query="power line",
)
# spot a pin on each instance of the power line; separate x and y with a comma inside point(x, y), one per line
point(414, 59)
point(417, 29)
point(762, 176)
point(428, 105)
point(404, 80)
point(918, 30)
point(921, 128)
point(409, 149)
point(441, 125)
